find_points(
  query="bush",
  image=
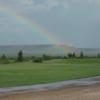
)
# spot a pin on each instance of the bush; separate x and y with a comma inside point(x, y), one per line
point(4, 59)
point(70, 55)
point(38, 60)
point(46, 57)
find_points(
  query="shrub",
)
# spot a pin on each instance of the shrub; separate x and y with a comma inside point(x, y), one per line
point(38, 60)
point(46, 57)
point(70, 55)
point(4, 59)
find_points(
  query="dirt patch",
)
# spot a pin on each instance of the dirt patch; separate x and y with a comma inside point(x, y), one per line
point(68, 93)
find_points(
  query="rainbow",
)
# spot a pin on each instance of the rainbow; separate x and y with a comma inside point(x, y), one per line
point(32, 24)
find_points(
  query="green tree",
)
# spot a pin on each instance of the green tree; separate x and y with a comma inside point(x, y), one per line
point(4, 59)
point(70, 55)
point(20, 56)
point(74, 55)
point(98, 55)
point(46, 57)
point(81, 54)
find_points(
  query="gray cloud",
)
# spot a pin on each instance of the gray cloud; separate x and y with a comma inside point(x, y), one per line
point(35, 5)
point(74, 21)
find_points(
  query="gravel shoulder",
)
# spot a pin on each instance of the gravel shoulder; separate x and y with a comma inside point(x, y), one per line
point(84, 89)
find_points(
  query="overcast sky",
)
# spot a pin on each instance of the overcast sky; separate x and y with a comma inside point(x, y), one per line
point(73, 22)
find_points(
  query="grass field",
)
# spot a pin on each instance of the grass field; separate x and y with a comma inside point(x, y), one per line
point(28, 73)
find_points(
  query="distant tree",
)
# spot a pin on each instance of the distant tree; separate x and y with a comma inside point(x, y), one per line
point(70, 55)
point(20, 56)
point(81, 54)
point(65, 57)
point(74, 55)
point(33, 57)
point(46, 57)
point(98, 55)
point(4, 59)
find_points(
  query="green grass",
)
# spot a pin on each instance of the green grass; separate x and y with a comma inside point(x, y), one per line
point(28, 73)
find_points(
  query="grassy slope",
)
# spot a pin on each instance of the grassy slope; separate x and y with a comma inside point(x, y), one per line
point(29, 73)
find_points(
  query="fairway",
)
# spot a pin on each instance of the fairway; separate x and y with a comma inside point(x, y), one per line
point(29, 73)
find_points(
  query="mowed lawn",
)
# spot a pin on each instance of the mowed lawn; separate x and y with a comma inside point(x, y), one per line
point(29, 73)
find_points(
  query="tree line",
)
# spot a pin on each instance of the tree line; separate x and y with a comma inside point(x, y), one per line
point(20, 57)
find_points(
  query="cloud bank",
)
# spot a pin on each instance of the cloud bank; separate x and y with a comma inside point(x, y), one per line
point(70, 21)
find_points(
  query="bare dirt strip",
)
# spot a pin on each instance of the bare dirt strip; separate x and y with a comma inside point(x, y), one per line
point(69, 92)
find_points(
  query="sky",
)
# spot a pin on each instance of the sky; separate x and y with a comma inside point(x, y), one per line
point(71, 22)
